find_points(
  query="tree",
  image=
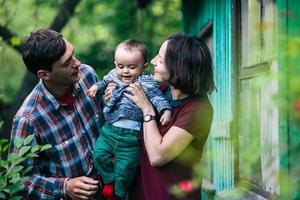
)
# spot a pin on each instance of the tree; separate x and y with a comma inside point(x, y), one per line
point(94, 27)
point(64, 14)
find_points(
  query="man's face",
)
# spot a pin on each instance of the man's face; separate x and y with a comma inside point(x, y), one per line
point(129, 64)
point(65, 71)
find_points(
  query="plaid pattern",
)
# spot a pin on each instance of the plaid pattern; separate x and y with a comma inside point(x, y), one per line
point(71, 132)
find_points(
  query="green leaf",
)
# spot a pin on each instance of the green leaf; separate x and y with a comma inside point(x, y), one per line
point(35, 148)
point(16, 198)
point(31, 155)
point(18, 143)
point(4, 163)
point(24, 179)
point(4, 147)
point(12, 157)
point(2, 196)
point(28, 169)
point(19, 160)
point(17, 169)
point(28, 139)
point(1, 124)
point(15, 41)
point(16, 188)
point(45, 147)
point(2, 184)
point(15, 180)
point(3, 141)
point(23, 150)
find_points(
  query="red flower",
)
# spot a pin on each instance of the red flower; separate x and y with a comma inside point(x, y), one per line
point(297, 105)
point(186, 186)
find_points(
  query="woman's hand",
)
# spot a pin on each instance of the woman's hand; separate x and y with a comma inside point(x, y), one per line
point(108, 91)
point(136, 93)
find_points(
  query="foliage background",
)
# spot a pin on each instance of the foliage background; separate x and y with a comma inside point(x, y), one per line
point(95, 27)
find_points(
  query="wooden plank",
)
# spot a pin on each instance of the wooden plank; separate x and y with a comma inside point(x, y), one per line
point(255, 70)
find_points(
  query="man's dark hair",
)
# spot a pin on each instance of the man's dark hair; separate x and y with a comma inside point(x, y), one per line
point(189, 62)
point(41, 49)
point(133, 44)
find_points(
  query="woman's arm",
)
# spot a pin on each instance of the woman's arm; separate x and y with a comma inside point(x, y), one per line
point(160, 149)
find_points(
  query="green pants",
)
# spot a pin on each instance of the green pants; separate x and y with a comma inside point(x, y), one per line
point(117, 156)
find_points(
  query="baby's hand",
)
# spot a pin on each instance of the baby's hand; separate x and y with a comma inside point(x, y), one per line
point(108, 91)
point(165, 117)
point(92, 91)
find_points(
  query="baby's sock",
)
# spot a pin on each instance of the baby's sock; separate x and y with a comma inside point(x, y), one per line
point(108, 190)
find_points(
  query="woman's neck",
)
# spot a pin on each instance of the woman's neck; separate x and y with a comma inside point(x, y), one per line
point(177, 94)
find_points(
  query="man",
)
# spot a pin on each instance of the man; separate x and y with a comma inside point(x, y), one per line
point(58, 112)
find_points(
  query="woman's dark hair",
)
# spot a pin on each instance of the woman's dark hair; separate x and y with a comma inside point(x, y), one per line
point(189, 62)
point(42, 49)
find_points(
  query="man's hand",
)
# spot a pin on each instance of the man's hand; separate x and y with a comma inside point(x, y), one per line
point(81, 187)
point(92, 91)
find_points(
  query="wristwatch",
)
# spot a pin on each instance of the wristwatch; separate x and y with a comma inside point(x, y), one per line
point(148, 118)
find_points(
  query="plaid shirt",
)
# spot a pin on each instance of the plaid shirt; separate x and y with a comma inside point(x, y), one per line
point(71, 132)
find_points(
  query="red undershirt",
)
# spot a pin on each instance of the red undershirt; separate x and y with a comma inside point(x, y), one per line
point(67, 98)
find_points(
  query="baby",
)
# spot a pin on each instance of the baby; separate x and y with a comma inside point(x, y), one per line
point(120, 135)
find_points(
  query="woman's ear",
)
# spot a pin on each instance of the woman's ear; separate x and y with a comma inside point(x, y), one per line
point(43, 74)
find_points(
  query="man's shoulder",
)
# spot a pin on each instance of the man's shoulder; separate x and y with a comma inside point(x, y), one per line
point(88, 74)
point(30, 103)
point(86, 70)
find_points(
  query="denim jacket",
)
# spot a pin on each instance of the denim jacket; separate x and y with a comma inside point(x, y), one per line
point(120, 107)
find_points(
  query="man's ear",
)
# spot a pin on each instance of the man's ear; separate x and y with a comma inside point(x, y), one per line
point(145, 65)
point(43, 74)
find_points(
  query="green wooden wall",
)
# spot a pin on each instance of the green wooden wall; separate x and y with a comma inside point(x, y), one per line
point(197, 15)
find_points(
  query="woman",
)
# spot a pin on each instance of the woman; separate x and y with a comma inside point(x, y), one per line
point(184, 67)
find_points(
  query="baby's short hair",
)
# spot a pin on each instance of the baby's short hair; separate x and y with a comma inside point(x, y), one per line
point(132, 44)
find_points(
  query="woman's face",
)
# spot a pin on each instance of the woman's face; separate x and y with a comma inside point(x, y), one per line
point(160, 71)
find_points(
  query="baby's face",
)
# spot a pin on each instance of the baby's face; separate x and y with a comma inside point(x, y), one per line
point(129, 64)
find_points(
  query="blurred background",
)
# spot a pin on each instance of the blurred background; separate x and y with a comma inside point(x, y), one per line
point(253, 148)
point(94, 27)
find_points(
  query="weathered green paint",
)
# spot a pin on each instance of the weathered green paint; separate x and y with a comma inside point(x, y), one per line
point(197, 15)
point(289, 70)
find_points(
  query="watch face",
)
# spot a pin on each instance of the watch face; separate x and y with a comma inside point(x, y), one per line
point(148, 118)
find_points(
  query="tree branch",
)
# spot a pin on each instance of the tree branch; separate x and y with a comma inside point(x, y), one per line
point(66, 10)
point(7, 35)
point(64, 14)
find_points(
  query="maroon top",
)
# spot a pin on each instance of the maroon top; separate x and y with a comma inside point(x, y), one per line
point(193, 114)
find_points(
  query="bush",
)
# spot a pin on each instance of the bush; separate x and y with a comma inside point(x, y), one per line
point(12, 173)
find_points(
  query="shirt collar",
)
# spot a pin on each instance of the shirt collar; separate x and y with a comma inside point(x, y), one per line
point(47, 96)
